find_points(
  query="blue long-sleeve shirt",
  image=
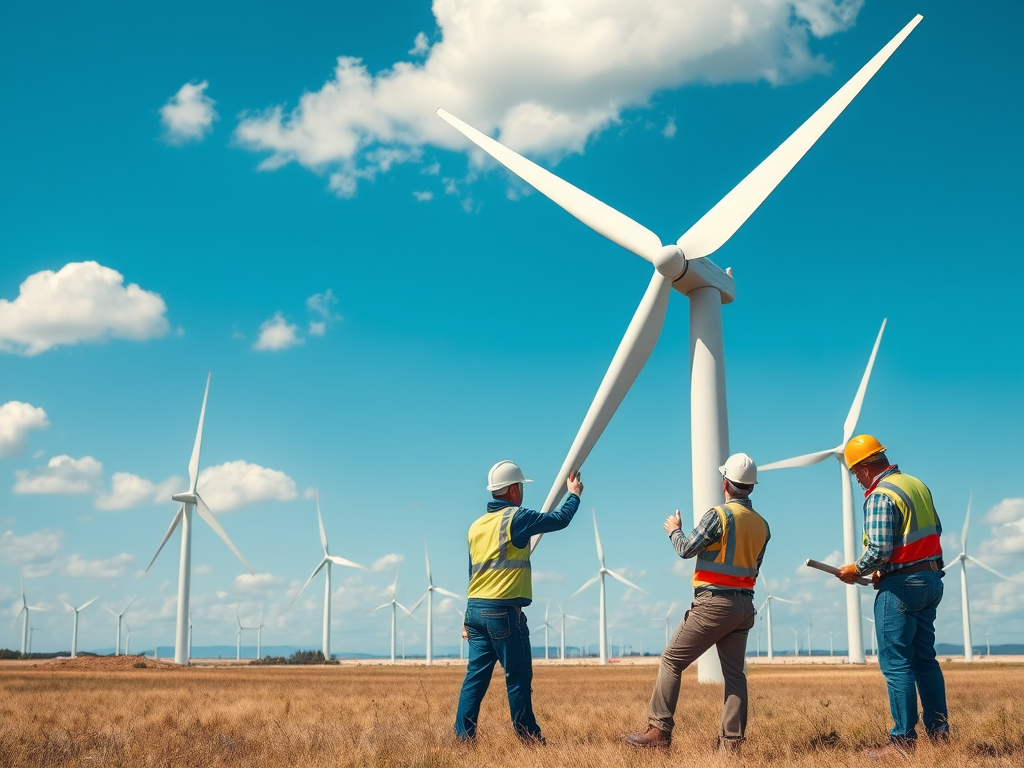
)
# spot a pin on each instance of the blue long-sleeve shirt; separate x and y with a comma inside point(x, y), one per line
point(527, 523)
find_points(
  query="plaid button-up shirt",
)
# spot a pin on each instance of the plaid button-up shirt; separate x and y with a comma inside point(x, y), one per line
point(708, 532)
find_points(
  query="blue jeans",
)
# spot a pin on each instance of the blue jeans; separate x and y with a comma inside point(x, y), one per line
point(905, 620)
point(497, 635)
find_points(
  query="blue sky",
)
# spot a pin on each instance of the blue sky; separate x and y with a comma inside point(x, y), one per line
point(469, 321)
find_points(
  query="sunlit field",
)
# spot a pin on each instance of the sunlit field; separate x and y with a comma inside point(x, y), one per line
point(402, 716)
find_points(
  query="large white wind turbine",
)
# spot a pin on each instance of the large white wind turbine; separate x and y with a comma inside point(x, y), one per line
point(853, 626)
point(961, 560)
point(429, 597)
point(683, 266)
point(766, 606)
point(74, 629)
point(602, 615)
point(25, 609)
point(327, 561)
point(120, 617)
point(394, 605)
point(190, 500)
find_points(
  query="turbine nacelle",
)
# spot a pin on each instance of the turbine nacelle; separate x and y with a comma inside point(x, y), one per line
point(186, 497)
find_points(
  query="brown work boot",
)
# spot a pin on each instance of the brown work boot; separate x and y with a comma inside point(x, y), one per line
point(652, 737)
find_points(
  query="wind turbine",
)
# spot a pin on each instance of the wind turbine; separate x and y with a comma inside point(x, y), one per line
point(961, 560)
point(31, 634)
point(74, 629)
point(872, 633)
point(128, 640)
point(562, 617)
point(830, 645)
point(810, 651)
point(668, 623)
point(853, 625)
point(682, 266)
point(766, 606)
point(190, 500)
point(327, 561)
point(796, 639)
point(547, 626)
point(394, 605)
point(190, 635)
point(429, 597)
point(259, 638)
point(602, 616)
point(462, 640)
point(120, 616)
point(238, 637)
point(25, 609)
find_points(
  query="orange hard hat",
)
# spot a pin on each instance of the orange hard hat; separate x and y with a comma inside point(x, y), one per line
point(861, 447)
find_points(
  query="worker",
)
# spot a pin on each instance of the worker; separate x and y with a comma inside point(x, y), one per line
point(500, 587)
point(904, 557)
point(729, 543)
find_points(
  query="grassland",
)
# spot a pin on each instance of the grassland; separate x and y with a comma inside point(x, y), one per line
point(402, 716)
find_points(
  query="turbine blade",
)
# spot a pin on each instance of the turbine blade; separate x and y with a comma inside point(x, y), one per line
point(784, 600)
point(417, 605)
point(585, 586)
point(851, 418)
point(193, 463)
point(386, 605)
point(625, 581)
point(398, 570)
point(574, 618)
point(450, 594)
point(635, 348)
point(311, 577)
point(765, 580)
point(956, 562)
point(86, 605)
point(348, 563)
point(71, 607)
point(408, 612)
point(170, 530)
point(320, 518)
point(18, 616)
point(720, 223)
point(988, 568)
point(597, 538)
point(601, 218)
point(129, 605)
point(763, 605)
point(207, 515)
point(802, 461)
point(967, 522)
point(426, 556)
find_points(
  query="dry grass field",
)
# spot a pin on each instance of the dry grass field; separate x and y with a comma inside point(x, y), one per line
point(402, 716)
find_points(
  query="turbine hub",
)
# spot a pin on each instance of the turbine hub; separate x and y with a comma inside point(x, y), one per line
point(185, 498)
point(670, 262)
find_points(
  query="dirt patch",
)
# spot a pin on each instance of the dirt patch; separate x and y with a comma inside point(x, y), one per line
point(104, 664)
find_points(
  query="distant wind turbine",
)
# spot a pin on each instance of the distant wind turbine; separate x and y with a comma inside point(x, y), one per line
point(74, 629)
point(25, 609)
point(238, 637)
point(562, 616)
point(120, 616)
point(394, 605)
point(961, 560)
point(668, 623)
point(602, 616)
point(766, 606)
point(796, 640)
point(872, 633)
point(190, 636)
point(190, 500)
point(547, 626)
point(429, 597)
point(128, 640)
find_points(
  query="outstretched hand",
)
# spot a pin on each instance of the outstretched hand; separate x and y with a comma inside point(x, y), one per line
point(575, 483)
point(673, 523)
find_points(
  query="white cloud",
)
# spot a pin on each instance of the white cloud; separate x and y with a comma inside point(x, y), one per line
point(548, 577)
point(34, 553)
point(259, 583)
point(202, 570)
point(545, 76)
point(1006, 511)
point(386, 563)
point(420, 45)
point(128, 491)
point(235, 484)
point(63, 475)
point(277, 334)
point(109, 568)
point(189, 114)
point(309, 493)
point(423, 197)
point(84, 301)
point(17, 419)
point(321, 305)
point(669, 131)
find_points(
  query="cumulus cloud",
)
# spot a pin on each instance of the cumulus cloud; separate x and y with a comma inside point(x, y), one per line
point(202, 570)
point(545, 76)
point(17, 419)
point(259, 583)
point(189, 114)
point(386, 563)
point(128, 491)
point(235, 484)
point(1006, 511)
point(63, 475)
point(277, 334)
point(35, 553)
point(423, 197)
point(1008, 532)
point(114, 567)
point(321, 307)
point(84, 301)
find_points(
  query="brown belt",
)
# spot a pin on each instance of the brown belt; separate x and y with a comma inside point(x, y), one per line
point(924, 565)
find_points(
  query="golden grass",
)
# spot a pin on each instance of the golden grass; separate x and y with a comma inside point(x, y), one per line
point(402, 716)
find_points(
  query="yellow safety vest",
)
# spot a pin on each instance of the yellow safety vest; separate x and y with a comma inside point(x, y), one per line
point(499, 569)
point(918, 535)
point(732, 561)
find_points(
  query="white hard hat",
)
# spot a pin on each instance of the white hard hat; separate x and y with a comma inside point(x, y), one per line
point(503, 474)
point(740, 468)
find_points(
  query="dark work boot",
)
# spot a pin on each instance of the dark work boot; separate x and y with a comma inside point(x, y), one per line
point(651, 738)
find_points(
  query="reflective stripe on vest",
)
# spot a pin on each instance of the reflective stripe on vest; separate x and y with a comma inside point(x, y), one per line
point(732, 561)
point(918, 535)
point(499, 570)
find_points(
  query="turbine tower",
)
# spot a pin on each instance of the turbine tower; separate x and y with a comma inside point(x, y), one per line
point(796, 640)
point(872, 633)
point(128, 640)
point(190, 636)
point(25, 609)
point(120, 616)
point(766, 606)
point(327, 561)
point(668, 623)
point(682, 266)
point(562, 615)
point(602, 615)
point(259, 637)
point(429, 597)
point(74, 628)
point(238, 636)
point(190, 500)
point(394, 605)
point(854, 631)
point(961, 560)
point(547, 626)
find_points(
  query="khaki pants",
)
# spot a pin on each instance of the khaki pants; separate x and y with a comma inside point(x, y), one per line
point(720, 620)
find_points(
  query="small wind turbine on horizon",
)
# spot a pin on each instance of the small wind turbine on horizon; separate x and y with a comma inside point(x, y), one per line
point(190, 635)
point(796, 640)
point(872, 633)
point(429, 597)
point(25, 609)
point(961, 560)
point(238, 636)
point(853, 626)
point(190, 500)
point(328, 559)
point(120, 617)
point(602, 615)
point(766, 606)
point(128, 640)
point(547, 626)
point(668, 623)
point(74, 629)
point(394, 605)
point(562, 616)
